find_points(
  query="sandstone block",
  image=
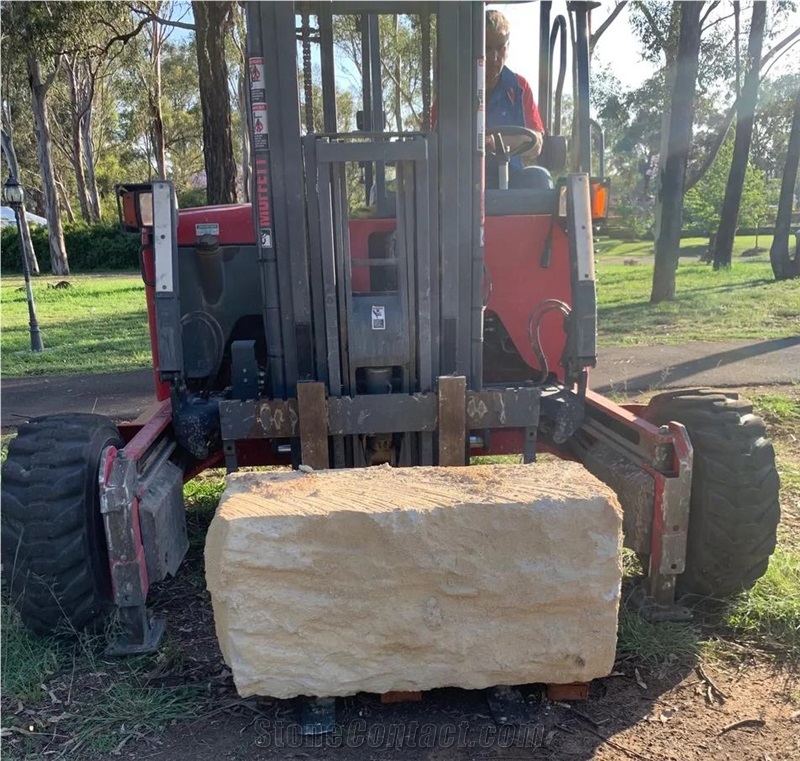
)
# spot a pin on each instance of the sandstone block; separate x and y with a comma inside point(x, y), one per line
point(380, 579)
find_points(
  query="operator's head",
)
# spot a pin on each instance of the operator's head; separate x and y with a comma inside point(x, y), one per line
point(498, 33)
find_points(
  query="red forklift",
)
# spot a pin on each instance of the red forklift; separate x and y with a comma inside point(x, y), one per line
point(377, 303)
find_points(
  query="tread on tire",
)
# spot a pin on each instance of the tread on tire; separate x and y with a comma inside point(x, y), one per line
point(735, 509)
point(54, 554)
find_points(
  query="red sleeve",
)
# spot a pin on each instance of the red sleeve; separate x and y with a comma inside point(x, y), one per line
point(533, 119)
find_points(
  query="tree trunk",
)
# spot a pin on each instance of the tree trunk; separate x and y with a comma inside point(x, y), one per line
point(64, 199)
point(156, 117)
point(77, 139)
point(59, 263)
point(212, 21)
point(680, 138)
point(398, 108)
point(782, 266)
point(741, 146)
point(88, 160)
point(88, 79)
point(77, 165)
point(13, 167)
point(671, 57)
point(737, 8)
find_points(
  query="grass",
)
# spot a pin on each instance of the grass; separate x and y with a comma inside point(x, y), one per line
point(763, 619)
point(606, 248)
point(99, 324)
point(790, 475)
point(781, 412)
point(768, 615)
point(201, 496)
point(27, 661)
point(777, 408)
point(86, 704)
point(126, 710)
point(741, 303)
point(103, 703)
point(655, 644)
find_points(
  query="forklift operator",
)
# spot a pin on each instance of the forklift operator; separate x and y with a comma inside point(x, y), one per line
point(509, 103)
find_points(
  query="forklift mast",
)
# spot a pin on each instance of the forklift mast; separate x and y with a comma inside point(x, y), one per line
point(302, 215)
point(394, 311)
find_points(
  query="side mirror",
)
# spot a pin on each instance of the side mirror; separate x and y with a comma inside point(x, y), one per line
point(135, 206)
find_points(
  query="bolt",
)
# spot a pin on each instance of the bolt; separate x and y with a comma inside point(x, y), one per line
point(663, 430)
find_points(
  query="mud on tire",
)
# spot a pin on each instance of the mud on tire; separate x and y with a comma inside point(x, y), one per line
point(734, 512)
point(55, 563)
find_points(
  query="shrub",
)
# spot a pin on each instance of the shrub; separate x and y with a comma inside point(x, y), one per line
point(192, 198)
point(89, 247)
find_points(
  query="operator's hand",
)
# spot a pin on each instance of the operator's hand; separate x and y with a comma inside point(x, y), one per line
point(537, 149)
point(511, 143)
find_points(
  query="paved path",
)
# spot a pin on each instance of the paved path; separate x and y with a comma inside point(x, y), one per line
point(124, 396)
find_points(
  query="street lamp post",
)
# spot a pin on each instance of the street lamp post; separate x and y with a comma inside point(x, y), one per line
point(13, 196)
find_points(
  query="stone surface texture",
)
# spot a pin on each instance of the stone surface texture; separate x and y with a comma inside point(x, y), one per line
point(380, 579)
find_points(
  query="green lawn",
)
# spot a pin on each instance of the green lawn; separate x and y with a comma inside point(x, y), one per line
point(100, 323)
point(741, 303)
point(690, 247)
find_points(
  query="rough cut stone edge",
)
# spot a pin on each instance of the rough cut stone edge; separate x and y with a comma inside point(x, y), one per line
point(256, 687)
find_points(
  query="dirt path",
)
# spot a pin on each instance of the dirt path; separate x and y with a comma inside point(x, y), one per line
point(671, 719)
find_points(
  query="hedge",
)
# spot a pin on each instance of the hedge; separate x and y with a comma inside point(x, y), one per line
point(89, 248)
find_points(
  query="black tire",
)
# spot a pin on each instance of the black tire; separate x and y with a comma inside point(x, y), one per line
point(734, 513)
point(54, 555)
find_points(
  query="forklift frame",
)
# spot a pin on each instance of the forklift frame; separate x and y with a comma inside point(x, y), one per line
point(331, 398)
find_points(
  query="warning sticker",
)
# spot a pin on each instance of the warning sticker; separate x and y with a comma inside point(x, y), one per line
point(257, 86)
point(378, 318)
point(206, 228)
point(260, 136)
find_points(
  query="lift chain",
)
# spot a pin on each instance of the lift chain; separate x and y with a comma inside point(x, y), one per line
point(308, 89)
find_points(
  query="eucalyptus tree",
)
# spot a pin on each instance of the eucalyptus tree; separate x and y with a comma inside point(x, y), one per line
point(783, 266)
point(678, 145)
point(729, 218)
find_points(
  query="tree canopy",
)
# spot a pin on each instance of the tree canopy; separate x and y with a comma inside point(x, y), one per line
point(120, 89)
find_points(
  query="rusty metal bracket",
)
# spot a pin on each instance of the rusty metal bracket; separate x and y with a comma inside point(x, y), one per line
point(380, 413)
point(452, 420)
point(120, 487)
point(119, 505)
point(673, 491)
point(313, 413)
point(650, 468)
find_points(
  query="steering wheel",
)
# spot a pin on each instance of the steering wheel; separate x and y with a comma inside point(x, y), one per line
point(512, 130)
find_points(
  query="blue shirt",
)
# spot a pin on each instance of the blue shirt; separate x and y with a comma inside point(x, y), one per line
point(511, 103)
